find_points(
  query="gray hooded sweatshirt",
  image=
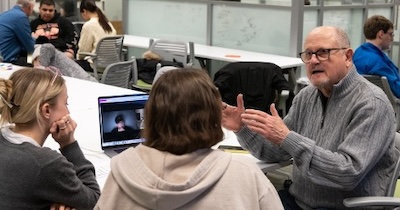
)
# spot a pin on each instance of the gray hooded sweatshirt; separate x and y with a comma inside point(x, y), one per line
point(146, 178)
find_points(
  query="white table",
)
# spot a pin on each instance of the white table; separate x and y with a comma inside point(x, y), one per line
point(82, 100)
point(223, 54)
point(205, 53)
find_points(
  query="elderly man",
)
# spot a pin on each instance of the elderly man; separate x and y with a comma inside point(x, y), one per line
point(15, 34)
point(339, 131)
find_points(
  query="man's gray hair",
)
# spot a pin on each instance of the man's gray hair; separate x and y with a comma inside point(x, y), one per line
point(25, 3)
point(343, 39)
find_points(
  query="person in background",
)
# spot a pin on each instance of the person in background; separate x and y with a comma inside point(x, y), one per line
point(46, 55)
point(123, 131)
point(370, 57)
point(176, 168)
point(15, 34)
point(69, 10)
point(33, 105)
point(339, 131)
point(51, 27)
point(96, 27)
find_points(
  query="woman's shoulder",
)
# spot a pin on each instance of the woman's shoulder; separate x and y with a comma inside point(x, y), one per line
point(93, 22)
point(31, 154)
point(45, 155)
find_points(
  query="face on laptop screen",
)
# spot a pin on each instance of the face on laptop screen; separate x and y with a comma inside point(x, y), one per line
point(121, 119)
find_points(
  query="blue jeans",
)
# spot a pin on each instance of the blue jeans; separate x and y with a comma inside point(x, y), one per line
point(288, 201)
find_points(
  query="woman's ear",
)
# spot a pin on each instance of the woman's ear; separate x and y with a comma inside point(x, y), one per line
point(45, 110)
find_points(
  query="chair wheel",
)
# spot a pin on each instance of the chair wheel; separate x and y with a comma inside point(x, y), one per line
point(287, 183)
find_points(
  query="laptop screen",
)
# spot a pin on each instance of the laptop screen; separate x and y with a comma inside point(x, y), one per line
point(121, 119)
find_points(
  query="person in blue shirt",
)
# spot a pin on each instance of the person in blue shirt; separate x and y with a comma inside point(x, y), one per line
point(370, 58)
point(16, 40)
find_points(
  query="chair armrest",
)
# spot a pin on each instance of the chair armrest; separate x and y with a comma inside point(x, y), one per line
point(397, 101)
point(87, 54)
point(371, 201)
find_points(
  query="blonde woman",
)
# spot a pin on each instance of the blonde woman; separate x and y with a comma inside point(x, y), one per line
point(33, 105)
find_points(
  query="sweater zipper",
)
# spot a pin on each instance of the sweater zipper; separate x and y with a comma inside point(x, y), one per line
point(324, 107)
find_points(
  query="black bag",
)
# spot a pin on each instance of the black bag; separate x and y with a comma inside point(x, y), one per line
point(147, 68)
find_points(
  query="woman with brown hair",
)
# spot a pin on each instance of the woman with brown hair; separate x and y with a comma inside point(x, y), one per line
point(176, 168)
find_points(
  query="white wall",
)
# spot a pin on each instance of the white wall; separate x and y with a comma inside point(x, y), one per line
point(6, 5)
point(113, 9)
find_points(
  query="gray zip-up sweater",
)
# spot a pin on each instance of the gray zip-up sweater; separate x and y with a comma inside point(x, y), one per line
point(49, 56)
point(345, 151)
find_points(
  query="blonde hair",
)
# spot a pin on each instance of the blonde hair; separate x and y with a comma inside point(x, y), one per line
point(23, 94)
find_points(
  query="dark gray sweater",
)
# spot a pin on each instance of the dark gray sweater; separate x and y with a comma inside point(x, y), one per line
point(49, 56)
point(33, 177)
point(346, 152)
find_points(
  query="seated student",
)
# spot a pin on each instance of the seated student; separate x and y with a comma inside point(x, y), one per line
point(46, 55)
point(51, 27)
point(176, 168)
point(370, 57)
point(69, 10)
point(122, 131)
point(95, 28)
point(33, 105)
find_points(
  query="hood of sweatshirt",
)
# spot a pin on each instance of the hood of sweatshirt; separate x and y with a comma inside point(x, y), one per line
point(157, 179)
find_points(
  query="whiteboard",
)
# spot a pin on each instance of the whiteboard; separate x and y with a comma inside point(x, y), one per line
point(177, 21)
point(252, 29)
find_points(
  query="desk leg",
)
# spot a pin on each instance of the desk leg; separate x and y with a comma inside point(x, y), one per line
point(205, 64)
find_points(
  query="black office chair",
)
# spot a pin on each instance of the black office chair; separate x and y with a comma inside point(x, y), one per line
point(260, 83)
point(77, 30)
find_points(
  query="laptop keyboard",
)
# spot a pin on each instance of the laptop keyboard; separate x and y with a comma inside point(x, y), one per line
point(120, 150)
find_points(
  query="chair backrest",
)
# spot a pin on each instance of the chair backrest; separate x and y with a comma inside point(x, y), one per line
point(260, 83)
point(78, 26)
point(383, 83)
point(118, 74)
point(174, 51)
point(77, 30)
point(381, 201)
point(396, 173)
point(162, 71)
point(108, 51)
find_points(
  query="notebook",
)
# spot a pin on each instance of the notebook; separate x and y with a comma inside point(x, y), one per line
point(121, 121)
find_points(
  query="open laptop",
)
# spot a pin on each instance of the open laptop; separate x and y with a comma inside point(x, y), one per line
point(121, 121)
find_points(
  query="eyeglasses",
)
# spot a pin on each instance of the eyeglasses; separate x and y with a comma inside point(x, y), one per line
point(54, 70)
point(56, 73)
point(321, 54)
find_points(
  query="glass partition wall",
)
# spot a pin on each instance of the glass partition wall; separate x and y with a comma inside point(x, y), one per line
point(267, 26)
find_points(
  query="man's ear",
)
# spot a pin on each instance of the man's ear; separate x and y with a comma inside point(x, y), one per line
point(380, 34)
point(349, 57)
point(45, 110)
